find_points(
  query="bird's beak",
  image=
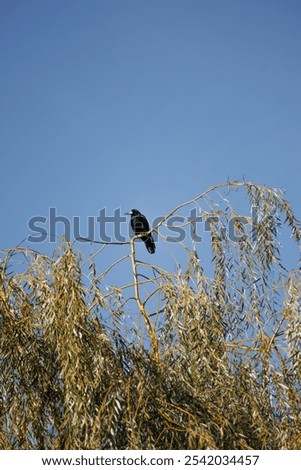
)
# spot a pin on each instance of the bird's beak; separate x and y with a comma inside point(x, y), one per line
point(128, 213)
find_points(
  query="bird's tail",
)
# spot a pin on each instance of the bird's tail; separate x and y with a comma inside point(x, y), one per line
point(150, 244)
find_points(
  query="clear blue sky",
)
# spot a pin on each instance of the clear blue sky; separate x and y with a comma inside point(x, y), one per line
point(144, 103)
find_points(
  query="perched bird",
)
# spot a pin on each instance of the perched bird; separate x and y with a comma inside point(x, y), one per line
point(140, 225)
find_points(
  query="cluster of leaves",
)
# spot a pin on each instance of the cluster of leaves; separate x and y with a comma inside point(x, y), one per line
point(216, 364)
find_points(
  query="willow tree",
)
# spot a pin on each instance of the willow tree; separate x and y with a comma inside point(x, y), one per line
point(204, 355)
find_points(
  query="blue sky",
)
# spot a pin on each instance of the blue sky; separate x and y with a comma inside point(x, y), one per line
point(144, 104)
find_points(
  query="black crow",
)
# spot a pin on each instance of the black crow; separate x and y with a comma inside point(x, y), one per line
point(140, 225)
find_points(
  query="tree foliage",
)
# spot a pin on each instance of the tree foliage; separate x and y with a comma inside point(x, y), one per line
point(173, 359)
